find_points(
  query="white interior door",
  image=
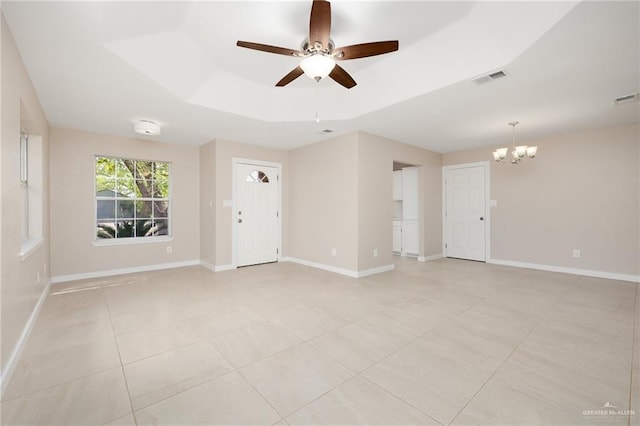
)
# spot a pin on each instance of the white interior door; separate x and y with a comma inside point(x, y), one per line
point(465, 213)
point(257, 216)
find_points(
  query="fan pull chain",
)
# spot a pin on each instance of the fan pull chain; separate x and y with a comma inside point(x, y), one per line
point(317, 103)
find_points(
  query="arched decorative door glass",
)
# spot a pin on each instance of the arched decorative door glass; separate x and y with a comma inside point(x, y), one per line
point(256, 176)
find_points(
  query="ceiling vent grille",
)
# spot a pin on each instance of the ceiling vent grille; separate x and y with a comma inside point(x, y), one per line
point(626, 99)
point(490, 77)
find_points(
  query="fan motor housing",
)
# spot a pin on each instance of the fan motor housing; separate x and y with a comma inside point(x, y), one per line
point(309, 48)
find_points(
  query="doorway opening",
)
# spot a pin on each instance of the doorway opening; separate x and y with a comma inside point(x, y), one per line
point(405, 220)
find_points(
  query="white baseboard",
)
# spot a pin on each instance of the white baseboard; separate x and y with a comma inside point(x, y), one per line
point(216, 268)
point(430, 257)
point(5, 375)
point(111, 272)
point(377, 270)
point(220, 268)
point(562, 269)
point(209, 266)
point(341, 271)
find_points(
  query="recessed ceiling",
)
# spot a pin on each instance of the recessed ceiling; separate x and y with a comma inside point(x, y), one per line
point(101, 66)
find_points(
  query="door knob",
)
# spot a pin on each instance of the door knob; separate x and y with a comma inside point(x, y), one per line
point(239, 220)
point(482, 218)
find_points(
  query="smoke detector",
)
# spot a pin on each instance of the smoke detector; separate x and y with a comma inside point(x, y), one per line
point(146, 127)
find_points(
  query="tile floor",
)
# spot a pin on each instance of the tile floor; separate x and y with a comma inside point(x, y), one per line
point(441, 343)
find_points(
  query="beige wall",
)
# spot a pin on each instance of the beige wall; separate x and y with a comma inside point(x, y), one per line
point(73, 204)
point(375, 165)
point(225, 151)
point(582, 191)
point(208, 203)
point(324, 200)
point(19, 282)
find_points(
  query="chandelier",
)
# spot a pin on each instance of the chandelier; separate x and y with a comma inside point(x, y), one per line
point(518, 153)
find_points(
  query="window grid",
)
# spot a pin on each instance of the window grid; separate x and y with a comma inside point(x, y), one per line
point(138, 198)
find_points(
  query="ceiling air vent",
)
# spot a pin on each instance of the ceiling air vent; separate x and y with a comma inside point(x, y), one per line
point(490, 77)
point(626, 99)
point(326, 131)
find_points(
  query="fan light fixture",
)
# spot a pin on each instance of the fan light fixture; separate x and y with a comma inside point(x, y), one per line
point(518, 153)
point(318, 53)
point(317, 66)
point(146, 127)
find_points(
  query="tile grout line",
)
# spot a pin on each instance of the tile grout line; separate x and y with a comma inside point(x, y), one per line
point(546, 315)
point(124, 376)
point(257, 391)
point(399, 399)
point(192, 387)
point(58, 350)
point(435, 327)
point(356, 373)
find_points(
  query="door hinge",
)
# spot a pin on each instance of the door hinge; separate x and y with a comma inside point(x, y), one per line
point(277, 214)
point(446, 245)
point(277, 177)
point(277, 251)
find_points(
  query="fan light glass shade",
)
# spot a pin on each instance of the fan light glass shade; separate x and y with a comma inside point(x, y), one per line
point(317, 66)
point(532, 151)
point(146, 127)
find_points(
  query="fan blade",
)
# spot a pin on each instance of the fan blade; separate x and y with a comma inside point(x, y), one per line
point(342, 77)
point(297, 72)
point(365, 49)
point(268, 48)
point(320, 23)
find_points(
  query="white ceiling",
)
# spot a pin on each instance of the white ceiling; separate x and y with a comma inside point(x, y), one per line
point(100, 66)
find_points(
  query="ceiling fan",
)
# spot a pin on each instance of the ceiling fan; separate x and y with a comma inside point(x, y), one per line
point(318, 52)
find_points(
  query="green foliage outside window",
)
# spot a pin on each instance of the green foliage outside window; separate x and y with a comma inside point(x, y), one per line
point(132, 198)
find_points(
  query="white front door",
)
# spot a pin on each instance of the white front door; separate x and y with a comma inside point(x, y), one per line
point(465, 212)
point(257, 216)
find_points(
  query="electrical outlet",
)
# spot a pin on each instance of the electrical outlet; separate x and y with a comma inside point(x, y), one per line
point(576, 253)
point(169, 249)
point(334, 252)
point(375, 252)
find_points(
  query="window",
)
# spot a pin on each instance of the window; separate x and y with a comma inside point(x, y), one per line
point(257, 176)
point(132, 198)
point(31, 201)
point(24, 186)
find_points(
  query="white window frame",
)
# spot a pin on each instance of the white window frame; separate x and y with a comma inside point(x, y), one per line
point(98, 242)
point(24, 186)
point(30, 175)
